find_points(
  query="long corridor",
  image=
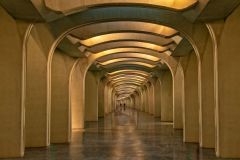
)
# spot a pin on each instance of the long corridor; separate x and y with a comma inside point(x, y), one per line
point(124, 135)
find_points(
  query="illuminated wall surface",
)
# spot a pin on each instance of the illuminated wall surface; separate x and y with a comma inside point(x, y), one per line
point(67, 62)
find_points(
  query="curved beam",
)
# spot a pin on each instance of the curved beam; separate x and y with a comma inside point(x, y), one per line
point(127, 83)
point(130, 71)
point(125, 36)
point(127, 75)
point(126, 60)
point(125, 50)
point(125, 86)
point(117, 68)
point(128, 80)
point(111, 27)
point(73, 6)
point(130, 44)
point(129, 63)
point(129, 55)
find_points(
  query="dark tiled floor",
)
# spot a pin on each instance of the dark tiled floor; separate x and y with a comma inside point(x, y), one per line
point(124, 136)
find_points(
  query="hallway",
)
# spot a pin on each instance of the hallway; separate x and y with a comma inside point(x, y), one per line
point(128, 135)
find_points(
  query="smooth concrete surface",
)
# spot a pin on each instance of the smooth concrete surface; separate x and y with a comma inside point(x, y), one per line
point(36, 89)
point(151, 99)
point(30, 103)
point(157, 98)
point(124, 135)
point(37, 116)
point(178, 98)
point(11, 110)
point(106, 92)
point(77, 89)
point(166, 97)
point(101, 98)
point(145, 100)
point(191, 109)
point(228, 88)
point(91, 97)
point(60, 100)
point(207, 124)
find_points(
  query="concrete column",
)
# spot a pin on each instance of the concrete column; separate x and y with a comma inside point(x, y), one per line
point(207, 124)
point(227, 86)
point(37, 116)
point(142, 104)
point(60, 98)
point(109, 97)
point(77, 94)
point(178, 98)
point(151, 99)
point(101, 98)
point(167, 97)
point(91, 97)
point(145, 100)
point(157, 98)
point(105, 98)
point(191, 109)
point(12, 104)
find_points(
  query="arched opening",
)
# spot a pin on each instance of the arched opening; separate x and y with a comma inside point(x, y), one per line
point(88, 62)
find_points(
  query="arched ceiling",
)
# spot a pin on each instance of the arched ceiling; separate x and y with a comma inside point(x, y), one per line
point(75, 5)
point(127, 49)
point(129, 44)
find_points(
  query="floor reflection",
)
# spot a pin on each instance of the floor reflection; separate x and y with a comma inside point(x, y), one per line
point(128, 135)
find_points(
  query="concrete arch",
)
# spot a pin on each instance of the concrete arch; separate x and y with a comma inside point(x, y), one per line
point(155, 17)
point(62, 6)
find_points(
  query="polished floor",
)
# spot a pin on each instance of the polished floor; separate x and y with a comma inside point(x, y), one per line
point(126, 135)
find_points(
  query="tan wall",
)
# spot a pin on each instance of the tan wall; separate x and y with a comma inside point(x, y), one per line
point(36, 92)
point(101, 99)
point(91, 97)
point(157, 95)
point(77, 97)
point(207, 130)
point(151, 99)
point(145, 100)
point(178, 98)
point(106, 89)
point(11, 110)
point(60, 102)
point(191, 109)
point(228, 123)
point(166, 97)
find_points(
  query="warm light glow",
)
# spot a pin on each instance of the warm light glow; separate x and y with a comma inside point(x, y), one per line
point(132, 83)
point(128, 80)
point(123, 50)
point(72, 6)
point(134, 44)
point(134, 55)
point(132, 77)
point(129, 71)
point(124, 78)
point(126, 86)
point(136, 63)
point(127, 75)
point(125, 90)
point(125, 37)
point(119, 60)
point(92, 30)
